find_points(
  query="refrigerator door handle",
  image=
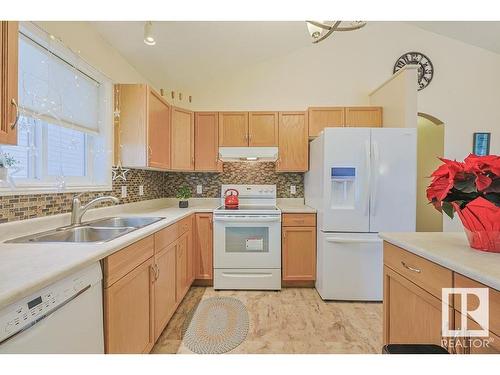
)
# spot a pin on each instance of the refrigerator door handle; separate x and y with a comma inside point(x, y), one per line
point(368, 178)
point(352, 240)
point(375, 175)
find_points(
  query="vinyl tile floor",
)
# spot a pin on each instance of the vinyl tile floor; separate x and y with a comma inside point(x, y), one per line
point(293, 320)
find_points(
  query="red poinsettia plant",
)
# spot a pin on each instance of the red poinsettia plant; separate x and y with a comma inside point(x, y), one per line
point(471, 189)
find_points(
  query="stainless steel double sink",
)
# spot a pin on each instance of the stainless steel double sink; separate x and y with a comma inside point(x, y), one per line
point(97, 231)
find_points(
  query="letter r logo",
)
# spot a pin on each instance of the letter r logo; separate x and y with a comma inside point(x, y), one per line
point(478, 313)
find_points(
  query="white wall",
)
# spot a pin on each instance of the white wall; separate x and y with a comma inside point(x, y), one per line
point(342, 70)
point(429, 146)
point(398, 98)
point(81, 36)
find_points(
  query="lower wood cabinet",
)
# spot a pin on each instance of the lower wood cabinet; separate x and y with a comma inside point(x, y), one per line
point(128, 305)
point(203, 246)
point(411, 315)
point(144, 283)
point(164, 287)
point(182, 281)
point(413, 306)
point(298, 247)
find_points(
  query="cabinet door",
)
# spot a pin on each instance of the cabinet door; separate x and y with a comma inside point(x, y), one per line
point(369, 117)
point(293, 142)
point(323, 117)
point(203, 242)
point(191, 256)
point(128, 310)
point(263, 129)
point(158, 131)
point(182, 140)
point(475, 345)
point(299, 253)
point(206, 142)
point(8, 82)
point(181, 269)
point(233, 129)
point(165, 288)
point(411, 315)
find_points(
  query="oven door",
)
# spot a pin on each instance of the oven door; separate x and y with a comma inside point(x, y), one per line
point(247, 241)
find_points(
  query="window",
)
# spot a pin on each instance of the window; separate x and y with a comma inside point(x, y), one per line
point(64, 130)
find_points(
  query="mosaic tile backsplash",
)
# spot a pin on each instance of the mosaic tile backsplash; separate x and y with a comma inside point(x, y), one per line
point(156, 185)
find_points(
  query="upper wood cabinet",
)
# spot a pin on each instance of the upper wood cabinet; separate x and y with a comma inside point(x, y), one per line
point(182, 139)
point(144, 127)
point(158, 132)
point(206, 142)
point(328, 117)
point(263, 129)
point(363, 117)
point(293, 142)
point(203, 247)
point(322, 117)
point(9, 110)
point(233, 129)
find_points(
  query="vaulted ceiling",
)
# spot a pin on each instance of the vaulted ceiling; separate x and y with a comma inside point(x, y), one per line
point(188, 52)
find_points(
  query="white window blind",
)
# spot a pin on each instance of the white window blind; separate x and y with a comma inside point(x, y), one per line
point(53, 90)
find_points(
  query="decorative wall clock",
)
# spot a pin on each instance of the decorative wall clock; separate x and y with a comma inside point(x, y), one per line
point(425, 68)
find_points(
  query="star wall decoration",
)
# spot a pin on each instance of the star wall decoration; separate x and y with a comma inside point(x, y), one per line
point(119, 172)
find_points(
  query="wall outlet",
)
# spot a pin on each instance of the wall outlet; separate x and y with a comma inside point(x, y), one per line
point(124, 191)
point(293, 189)
point(141, 189)
point(199, 189)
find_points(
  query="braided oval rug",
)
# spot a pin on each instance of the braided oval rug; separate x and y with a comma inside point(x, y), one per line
point(217, 325)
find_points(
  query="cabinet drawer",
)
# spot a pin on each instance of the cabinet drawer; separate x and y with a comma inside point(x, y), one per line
point(460, 281)
point(167, 235)
point(299, 220)
point(426, 274)
point(122, 262)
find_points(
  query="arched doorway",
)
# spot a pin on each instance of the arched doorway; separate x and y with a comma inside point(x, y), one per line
point(430, 146)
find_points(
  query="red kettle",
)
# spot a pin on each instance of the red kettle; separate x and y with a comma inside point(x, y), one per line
point(231, 201)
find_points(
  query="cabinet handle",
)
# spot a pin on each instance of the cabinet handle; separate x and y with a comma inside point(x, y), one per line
point(410, 267)
point(150, 151)
point(14, 103)
point(157, 271)
point(152, 272)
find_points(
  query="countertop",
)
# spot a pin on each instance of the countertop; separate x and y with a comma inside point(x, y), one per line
point(451, 250)
point(294, 205)
point(28, 267)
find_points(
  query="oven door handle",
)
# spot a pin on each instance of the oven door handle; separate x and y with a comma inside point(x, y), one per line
point(247, 219)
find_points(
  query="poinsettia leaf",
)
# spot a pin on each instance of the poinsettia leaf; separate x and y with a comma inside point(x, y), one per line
point(448, 209)
point(494, 187)
point(493, 198)
point(466, 185)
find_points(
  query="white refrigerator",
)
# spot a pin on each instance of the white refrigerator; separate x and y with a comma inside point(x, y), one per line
point(361, 181)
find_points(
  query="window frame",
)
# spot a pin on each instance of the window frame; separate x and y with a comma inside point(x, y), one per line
point(96, 179)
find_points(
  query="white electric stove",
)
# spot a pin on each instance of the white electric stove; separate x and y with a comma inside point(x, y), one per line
point(247, 240)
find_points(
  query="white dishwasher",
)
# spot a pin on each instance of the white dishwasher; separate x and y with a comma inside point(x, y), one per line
point(65, 317)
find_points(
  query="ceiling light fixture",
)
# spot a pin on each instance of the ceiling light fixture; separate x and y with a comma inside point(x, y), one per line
point(148, 34)
point(320, 30)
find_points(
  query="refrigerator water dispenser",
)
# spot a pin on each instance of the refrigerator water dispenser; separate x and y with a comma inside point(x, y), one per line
point(343, 192)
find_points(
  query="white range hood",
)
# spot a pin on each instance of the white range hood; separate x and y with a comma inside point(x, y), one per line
point(248, 153)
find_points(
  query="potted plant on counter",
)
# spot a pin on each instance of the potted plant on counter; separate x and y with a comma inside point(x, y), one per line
point(6, 162)
point(183, 194)
point(471, 189)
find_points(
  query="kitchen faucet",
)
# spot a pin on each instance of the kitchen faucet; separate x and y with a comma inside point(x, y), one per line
point(77, 210)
